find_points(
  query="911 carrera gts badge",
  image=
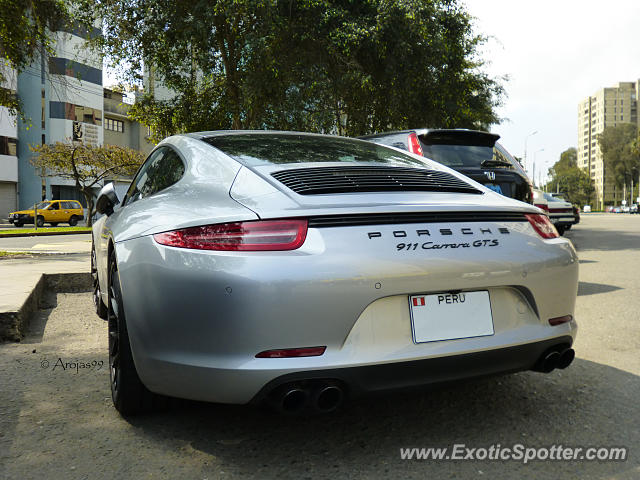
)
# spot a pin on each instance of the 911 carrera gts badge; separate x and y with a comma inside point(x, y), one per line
point(444, 232)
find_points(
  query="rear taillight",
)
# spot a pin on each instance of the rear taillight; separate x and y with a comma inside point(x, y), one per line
point(542, 206)
point(414, 144)
point(542, 225)
point(245, 236)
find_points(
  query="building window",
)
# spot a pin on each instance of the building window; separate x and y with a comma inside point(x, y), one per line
point(77, 113)
point(8, 146)
point(114, 125)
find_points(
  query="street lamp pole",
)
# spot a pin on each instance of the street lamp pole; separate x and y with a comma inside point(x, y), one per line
point(525, 148)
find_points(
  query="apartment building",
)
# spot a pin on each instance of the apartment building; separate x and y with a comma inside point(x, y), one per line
point(119, 129)
point(608, 107)
point(63, 100)
point(8, 149)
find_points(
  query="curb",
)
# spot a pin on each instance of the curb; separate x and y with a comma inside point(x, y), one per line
point(38, 234)
point(13, 325)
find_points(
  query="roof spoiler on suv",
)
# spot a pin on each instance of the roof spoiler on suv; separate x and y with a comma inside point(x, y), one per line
point(458, 137)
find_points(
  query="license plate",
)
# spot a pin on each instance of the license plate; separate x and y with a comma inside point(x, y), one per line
point(449, 316)
point(495, 188)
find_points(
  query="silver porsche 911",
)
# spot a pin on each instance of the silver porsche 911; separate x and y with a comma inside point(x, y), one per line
point(299, 270)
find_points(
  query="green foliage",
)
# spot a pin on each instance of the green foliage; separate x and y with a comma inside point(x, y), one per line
point(350, 67)
point(619, 147)
point(86, 165)
point(569, 179)
point(25, 32)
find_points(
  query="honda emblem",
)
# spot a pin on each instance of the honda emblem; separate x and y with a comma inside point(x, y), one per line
point(490, 175)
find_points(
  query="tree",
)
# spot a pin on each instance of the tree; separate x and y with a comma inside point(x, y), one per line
point(88, 166)
point(317, 65)
point(568, 178)
point(619, 149)
point(25, 33)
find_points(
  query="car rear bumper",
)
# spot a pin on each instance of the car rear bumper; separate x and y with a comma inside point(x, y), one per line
point(430, 371)
point(563, 221)
point(197, 318)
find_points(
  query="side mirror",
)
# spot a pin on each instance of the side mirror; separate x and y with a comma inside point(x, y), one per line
point(107, 199)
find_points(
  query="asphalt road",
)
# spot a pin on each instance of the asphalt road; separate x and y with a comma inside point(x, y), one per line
point(79, 243)
point(59, 422)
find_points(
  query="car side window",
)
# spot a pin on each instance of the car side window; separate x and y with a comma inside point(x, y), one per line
point(161, 170)
point(54, 206)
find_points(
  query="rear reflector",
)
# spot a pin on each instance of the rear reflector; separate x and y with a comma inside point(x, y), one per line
point(292, 352)
point(560, 320)
point(542, 225)
point(414, 144)
point(267, 235)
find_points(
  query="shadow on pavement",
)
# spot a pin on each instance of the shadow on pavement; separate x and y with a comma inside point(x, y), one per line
point(586, 288)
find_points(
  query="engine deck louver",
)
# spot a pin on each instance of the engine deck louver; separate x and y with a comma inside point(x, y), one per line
point(355, 179)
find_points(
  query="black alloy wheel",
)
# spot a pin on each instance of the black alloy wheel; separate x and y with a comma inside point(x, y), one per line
point(129, 395)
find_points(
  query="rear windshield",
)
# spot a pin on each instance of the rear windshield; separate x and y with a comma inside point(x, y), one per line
point(468, 156)
point(264, 149)
point(458, 155)
point(551, 198)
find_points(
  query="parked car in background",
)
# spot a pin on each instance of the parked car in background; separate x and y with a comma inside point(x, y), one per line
point(560, 211)
point(633, 208)
point(298, 270)
point(476, 154)
point(50, 211)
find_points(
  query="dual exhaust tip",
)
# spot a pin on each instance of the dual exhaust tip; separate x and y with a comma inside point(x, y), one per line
point(320, 396)
point(555, 359)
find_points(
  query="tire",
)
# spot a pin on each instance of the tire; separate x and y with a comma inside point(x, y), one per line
point(568, 227)
point(130, 396)
point(560, 229)
point(18, 224)
point(100, 307)
point(73, 221)
point(54, 224)
point(40, 221)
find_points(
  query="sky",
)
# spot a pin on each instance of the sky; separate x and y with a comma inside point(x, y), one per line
point(556, 53)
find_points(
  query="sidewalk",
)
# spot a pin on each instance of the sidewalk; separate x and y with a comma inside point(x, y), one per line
point(22, 284)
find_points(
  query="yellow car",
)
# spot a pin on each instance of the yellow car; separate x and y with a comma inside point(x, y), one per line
point(50, 211)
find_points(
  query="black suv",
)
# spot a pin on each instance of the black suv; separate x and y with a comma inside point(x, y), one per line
point(476, 154)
